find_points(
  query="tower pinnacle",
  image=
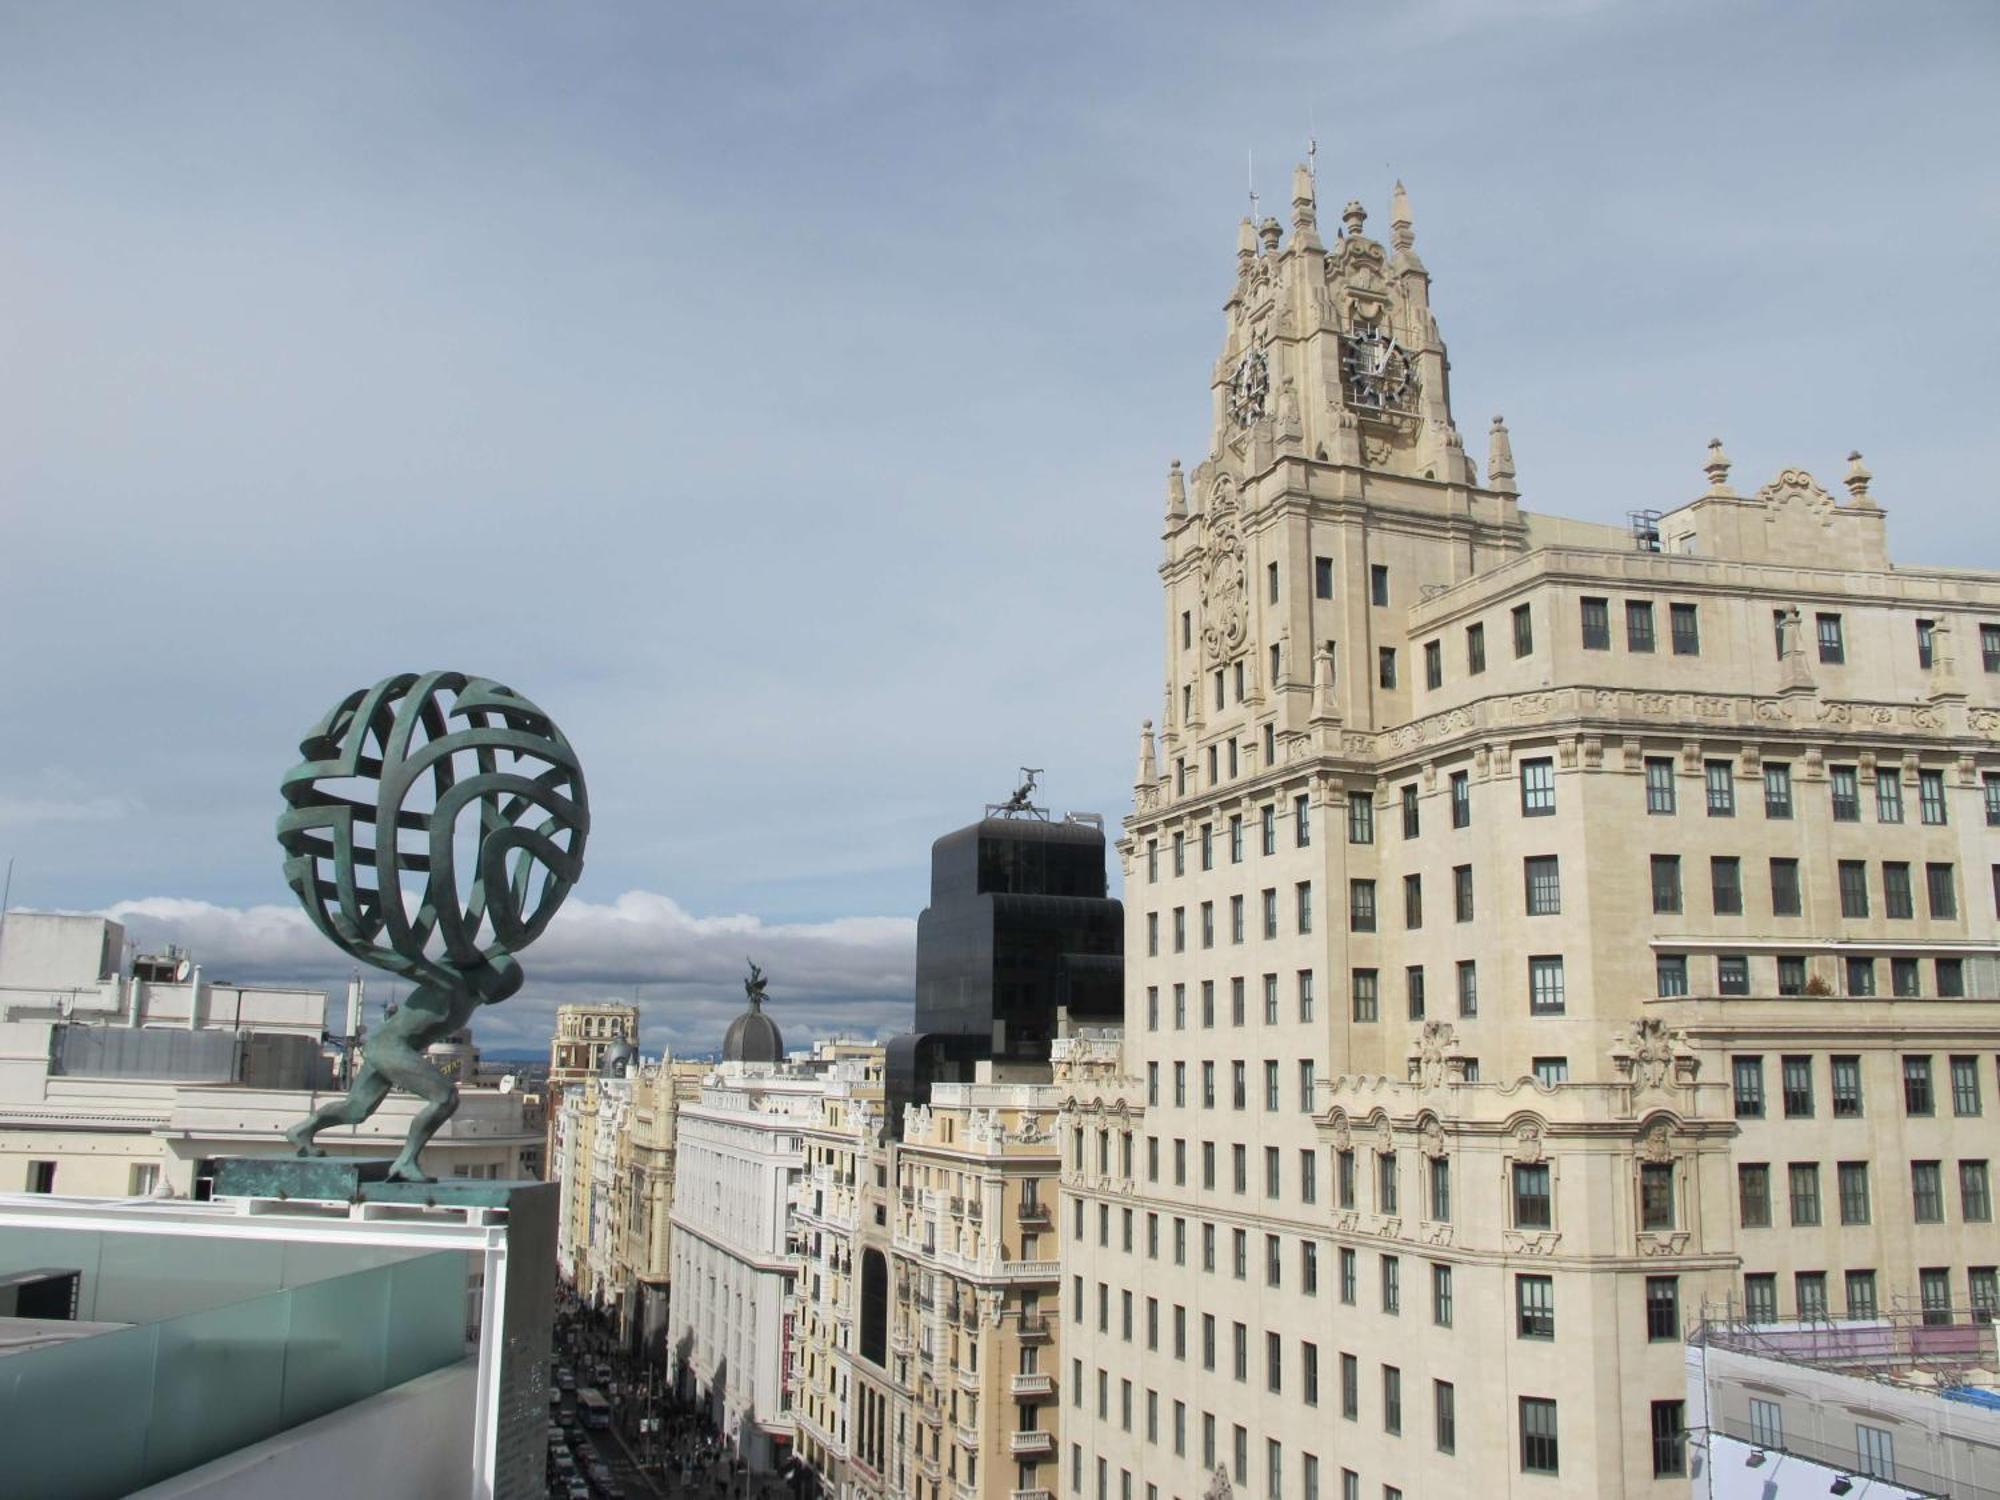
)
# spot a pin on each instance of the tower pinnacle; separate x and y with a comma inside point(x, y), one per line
point(1500, 459)
point(1402, 230)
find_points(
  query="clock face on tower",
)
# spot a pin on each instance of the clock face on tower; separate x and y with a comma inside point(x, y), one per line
point(1380, 374)
point(1249, 388)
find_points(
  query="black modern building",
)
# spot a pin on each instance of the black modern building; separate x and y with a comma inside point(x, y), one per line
point(1020, 944)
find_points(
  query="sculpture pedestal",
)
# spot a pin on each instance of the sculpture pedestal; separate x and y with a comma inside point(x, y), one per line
point(322, 1179)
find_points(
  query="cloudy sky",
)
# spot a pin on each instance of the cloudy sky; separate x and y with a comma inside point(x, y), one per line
point(782, 394)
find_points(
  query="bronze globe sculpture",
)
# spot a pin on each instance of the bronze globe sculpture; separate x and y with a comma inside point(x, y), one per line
point(432, 829)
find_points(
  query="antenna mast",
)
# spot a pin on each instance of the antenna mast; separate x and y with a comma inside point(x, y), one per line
point(1252, 158)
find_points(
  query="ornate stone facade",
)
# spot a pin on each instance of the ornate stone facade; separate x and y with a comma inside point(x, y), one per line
point(1537, 929)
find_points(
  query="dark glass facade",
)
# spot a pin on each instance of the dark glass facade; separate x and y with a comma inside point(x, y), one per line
point(1019, 941)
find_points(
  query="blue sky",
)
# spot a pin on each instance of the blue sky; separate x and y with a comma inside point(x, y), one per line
point(782, 394)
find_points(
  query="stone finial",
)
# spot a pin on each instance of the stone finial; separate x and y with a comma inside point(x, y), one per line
point(1353, 216)
point(1246, 243)
point(1270, 232)
point(1717, 469)
point(1326, 702)
point(1176, 493)
point(1149, 766)
point(1305, 214)
point(1856, 480)
point(1402, 229)
point(1500, 459)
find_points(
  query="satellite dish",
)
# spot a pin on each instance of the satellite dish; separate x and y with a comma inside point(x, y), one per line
point(507, 1084)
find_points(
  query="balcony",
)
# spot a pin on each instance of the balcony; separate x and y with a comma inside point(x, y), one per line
point(1031, 1444)
point(1032, 1385)
point(968, 1379)
point(1032, 1215)
point(1035, 1328)
point(1031, 1495)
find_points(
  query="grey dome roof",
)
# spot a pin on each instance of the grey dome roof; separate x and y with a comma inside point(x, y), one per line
point(620, 1055)
point(753, 1037)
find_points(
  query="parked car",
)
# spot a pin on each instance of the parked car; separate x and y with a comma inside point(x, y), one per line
point(565, 1378)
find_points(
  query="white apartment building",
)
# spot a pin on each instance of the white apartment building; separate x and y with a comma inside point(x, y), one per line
point(741, 1152)
point(1536, 929)
point(123, 1077)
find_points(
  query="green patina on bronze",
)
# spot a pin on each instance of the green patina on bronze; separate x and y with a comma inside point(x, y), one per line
point(398, 783)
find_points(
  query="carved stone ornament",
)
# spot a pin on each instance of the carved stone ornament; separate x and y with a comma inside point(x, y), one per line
point(1431, 1138)
point(1343, 1136)
point(1528, 1142)
point(1657, 1144)
point(1385, 1136)
point(1648, 1050)
point(1219, 1487)
point(1225, 596)
point(1436, 1043)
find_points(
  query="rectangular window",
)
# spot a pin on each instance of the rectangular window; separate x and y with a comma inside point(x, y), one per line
point(1853, 1177)
point(1846, 1088)
point(1785, 896)
point(1982, 1284)
point(1777, 791)
point(1413, 985)
point(1235, 919)
point(1413, 902)
point(1302, 821)
point(1461, 800)
point(1268, 826)
point(1934, 1294)
point(1385, 666)
point(1861, 976)
point(1663, 1309)
point(1666, 883)
point(1524, 632)
point(1411, 816)
point(1732, 974)
point(1349, 1276)
point(1441, 1294)
point(1350, 1387)
point(1853, 877)
point(1322, 578)
point(1896, 901)
point(1753, 1194)
point(1990, 783)
point(1686, 621)
point(1926, 1192)
point(1845, 784)
point(1542, 877)
point(1989, 647)
point(1670, 972)
point(1638, 625)
point(1534, 1307)
point(1433, 665)
point(1461, 892)
point(1720, 777)
point(1803, 1180)
point(1444, 1404)
point(1550, 1071)
point(1361, 905)
point(1747, 1080)
point(1538, 788)
point(1270, 911)
point(1531, 1196)
point(1860, 1295)
point(1305, 981)
point(1468, 988)
point(1392, 1399)
point(1386, 1201)
point(1236, 839)
point(1392, 1282)
point(1930, 796)
point(1378, 584)
point(1545, 986)
point(1965, 1086)
point(1760, 1297)
point(1917, 1097)
point(1832, 645)
point(1539, 1450)
point(1360, 818)
point(1669, 1433)
point(1659, 785)
point(1596, 618)
point(1942, 890)
point(1888, 797)
point(1439, 1175)
point(1975, 1198)
point(1791, 974)
point(1309, 1266)
point(1795, 1073)
point(1475, 649)
point(1656, 1195)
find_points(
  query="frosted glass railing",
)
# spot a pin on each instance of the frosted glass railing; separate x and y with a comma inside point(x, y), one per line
point(109, 1413)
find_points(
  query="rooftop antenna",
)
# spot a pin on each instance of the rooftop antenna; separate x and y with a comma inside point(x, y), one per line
point(1253, 185)
point(1312, 148)
point(7, 891)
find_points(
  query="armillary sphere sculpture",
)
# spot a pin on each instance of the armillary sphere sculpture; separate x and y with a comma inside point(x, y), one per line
point(434, 826)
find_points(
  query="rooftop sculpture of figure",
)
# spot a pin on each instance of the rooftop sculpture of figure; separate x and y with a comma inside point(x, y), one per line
point(401, 785)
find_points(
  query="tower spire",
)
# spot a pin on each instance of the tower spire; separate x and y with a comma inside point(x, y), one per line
point(1500, 459)
point(1402, 230)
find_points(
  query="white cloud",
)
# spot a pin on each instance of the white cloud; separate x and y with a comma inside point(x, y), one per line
point(846, 974)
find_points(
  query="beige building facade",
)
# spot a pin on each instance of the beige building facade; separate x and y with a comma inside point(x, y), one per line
point(1536, 929)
